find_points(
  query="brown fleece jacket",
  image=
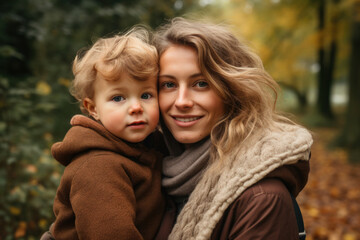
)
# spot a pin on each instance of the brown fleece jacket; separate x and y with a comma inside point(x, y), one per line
point(109, 189)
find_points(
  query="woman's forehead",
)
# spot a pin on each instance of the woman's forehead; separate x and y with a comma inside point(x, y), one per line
point(179, 58)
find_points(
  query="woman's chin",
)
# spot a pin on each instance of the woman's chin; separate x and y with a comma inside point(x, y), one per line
point(188, 138)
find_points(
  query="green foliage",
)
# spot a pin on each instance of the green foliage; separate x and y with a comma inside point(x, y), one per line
point(28, 175)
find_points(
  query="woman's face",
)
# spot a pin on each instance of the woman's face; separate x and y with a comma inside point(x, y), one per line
point(188, 103)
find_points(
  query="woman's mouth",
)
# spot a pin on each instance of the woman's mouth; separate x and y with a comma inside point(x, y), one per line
point(186, 119)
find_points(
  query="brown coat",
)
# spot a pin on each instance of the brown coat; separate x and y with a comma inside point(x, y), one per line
point(265, 210)
point(260, 211)
point(109, 189)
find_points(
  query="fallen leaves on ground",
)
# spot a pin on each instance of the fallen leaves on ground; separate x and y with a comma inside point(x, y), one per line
point(330, 202)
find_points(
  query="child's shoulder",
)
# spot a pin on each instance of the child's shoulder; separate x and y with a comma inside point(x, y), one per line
point(98, 161)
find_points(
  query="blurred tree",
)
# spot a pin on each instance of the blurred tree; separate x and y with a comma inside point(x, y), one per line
point(350, 136)
point(327, 54)
point(323, 84)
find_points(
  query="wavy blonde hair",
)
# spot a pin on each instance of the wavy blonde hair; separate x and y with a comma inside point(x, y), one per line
point(235, 71)
point(110, 57)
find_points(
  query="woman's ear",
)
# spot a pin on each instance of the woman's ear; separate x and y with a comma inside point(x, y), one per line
point(91, 108)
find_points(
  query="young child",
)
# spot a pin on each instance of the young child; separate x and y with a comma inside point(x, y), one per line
point(111, 186)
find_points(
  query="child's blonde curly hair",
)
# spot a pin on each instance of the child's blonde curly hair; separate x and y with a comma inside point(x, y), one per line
point(108, 58)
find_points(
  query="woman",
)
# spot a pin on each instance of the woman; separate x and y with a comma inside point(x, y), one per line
point(234, 161)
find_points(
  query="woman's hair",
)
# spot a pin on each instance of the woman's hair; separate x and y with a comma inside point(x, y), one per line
point(248, 91)
point(109, 58)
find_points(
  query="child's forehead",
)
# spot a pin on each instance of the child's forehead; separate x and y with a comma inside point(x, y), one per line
point(124, 78)
point(126, 83)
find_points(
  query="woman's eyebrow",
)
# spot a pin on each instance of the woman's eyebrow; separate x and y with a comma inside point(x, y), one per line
point(166, 76)
point(195, 75)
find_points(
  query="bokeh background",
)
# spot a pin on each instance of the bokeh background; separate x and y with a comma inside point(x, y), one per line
point(310, 47)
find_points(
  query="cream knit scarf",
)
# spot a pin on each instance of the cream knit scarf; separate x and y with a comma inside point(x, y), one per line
point(263, 152)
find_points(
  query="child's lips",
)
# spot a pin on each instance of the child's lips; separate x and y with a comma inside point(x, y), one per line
point(137, 124)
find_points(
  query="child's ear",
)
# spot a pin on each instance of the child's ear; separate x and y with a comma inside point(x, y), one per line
point(91, 108)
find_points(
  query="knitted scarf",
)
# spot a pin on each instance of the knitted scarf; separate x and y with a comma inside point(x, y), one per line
point(263, 152)
point(183, 168)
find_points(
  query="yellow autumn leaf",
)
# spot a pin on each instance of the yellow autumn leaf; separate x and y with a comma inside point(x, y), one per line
point(64, 81)
point(321, 232)
point(21, 230)
point(15, 211)
point(313, 212)
point(349, 236)
point(43, 88)
point(43, 223)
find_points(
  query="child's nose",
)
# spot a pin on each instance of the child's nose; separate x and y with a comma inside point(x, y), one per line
point(135, 108)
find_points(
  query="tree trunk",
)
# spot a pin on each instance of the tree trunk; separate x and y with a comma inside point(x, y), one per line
point(350, 137)
point(335, 16)
point(325, 73)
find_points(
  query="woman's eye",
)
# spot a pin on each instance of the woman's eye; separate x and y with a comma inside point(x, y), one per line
point(146, 96)
point(201, 84)
point(168, 85)
point(118, 99)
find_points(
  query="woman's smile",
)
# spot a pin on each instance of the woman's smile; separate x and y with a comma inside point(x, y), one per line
point(185, 119)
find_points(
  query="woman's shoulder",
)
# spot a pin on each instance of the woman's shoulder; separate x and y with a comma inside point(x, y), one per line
point(265, 194)
point(268, 186)
point(255, 212)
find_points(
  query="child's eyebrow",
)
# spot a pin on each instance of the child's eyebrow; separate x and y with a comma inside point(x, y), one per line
point(149, 88)
point(118, 89)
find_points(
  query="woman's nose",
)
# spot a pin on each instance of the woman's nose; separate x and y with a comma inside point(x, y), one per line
point(184, 99)
point(135, 107)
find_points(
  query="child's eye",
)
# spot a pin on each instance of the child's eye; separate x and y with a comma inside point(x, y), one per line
point(201, 84)
point(118, 99)
point(146, 96)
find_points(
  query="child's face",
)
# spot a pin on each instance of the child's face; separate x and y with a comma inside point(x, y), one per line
point(127, 108)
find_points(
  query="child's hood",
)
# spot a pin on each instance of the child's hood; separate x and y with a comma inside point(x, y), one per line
point(86, 135)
